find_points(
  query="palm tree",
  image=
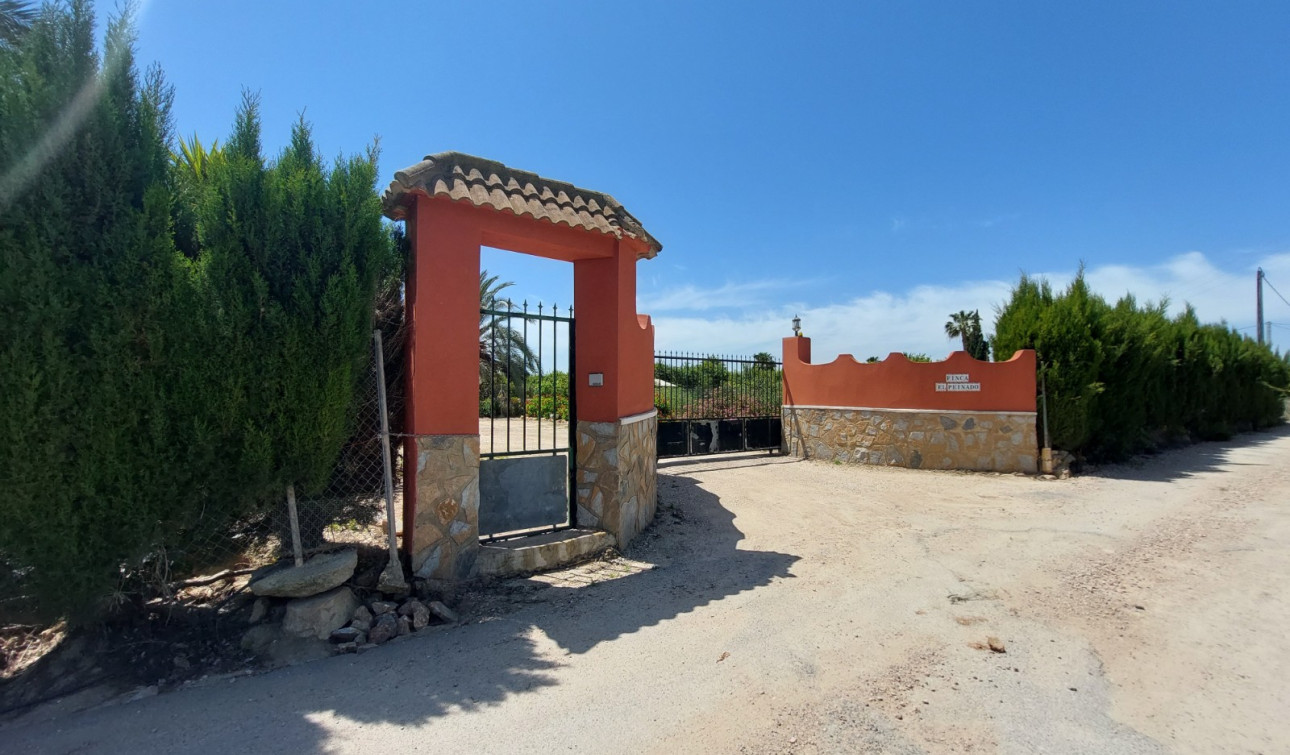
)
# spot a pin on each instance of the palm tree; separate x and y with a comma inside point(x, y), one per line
point(505, 360)
point(16, 18)
point(192, 167)
point(194, 160)
point(966, 326)
point(959, 326)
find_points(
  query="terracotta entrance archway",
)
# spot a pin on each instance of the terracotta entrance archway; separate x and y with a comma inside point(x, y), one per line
point(453, 204)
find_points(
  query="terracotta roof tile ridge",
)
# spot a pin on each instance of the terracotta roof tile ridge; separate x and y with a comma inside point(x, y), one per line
point(489, 183)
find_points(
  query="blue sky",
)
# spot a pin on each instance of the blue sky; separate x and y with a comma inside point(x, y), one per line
point(868, 166)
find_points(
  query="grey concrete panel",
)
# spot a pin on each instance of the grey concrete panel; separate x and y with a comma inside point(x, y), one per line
point(522, 493)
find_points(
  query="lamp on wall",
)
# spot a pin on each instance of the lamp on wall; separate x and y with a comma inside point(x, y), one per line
point(797, 325)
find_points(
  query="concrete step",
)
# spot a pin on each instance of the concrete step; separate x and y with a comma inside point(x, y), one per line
point(536, 553)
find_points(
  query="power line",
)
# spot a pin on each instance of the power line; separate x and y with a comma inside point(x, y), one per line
point(1274, 289)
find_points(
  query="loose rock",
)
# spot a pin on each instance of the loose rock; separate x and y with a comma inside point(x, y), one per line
point(385, 628)
point(258, 611)
point(383, 606)
point(405, 625)
point(319, 574)
point(442, 612)
point(420, 616)
point(996, 644)
point(319, 615)
point(346, 634)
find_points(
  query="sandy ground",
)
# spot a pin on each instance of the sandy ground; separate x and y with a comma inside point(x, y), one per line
point(805, 607)
point(501, 435)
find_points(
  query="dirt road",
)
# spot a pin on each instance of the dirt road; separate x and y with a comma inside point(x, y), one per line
point(805, 607)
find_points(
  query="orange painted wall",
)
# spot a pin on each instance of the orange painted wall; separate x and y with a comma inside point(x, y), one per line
point(443, 307)
point(442, 300)
point(611, 338)
point(897, 383)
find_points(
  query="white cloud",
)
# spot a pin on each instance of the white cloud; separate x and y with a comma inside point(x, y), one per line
point(690, 298)
point(879, 322)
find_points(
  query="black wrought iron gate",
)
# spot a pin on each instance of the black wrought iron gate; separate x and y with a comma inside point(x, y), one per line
point(714, 404)
point(528, 415)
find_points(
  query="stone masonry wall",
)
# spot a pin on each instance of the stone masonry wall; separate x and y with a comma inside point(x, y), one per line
point(638, 477)
point(446, 530)
point(617, 476)
point(980, 441)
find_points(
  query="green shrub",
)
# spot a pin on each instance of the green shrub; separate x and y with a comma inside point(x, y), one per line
point(1125, 379)
point(706, 392)
point(155, 395)
point(547, 396)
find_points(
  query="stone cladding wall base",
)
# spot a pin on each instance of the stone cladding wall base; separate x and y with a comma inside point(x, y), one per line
point(445, 535)
point(617, 467)
point(974, 441)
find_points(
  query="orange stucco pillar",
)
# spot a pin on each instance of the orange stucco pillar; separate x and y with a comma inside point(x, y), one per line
point(616, 451)
point(797, 352)
point(440, 484)
point(443, 307)
point(611, 339)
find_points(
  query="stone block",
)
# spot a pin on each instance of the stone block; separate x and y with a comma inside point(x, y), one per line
point(319, 615)
point(319, 574)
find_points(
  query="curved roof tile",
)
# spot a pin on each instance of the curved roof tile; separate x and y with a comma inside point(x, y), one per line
point(488, 183)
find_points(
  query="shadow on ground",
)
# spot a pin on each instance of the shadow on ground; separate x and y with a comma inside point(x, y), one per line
point(505, 650)
point(1188, 461)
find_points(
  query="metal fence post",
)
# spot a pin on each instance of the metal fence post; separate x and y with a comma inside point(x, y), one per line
point(295, 526)
point(392, 578)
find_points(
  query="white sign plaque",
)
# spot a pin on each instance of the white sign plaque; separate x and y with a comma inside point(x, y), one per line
point(956, 382)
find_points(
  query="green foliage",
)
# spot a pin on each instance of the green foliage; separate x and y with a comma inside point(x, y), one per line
point(547, 396)
point(15, 20)
point(90, 292)
point(505, 359)
point(709, 373)
point(1125, 379)
point(710, 390)
point(966, 326)
point(156, 392)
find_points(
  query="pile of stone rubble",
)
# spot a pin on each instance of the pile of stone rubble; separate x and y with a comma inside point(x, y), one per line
point(315, 601)
point(383, 620)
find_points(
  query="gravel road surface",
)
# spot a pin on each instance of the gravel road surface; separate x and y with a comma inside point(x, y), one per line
point(805, 607)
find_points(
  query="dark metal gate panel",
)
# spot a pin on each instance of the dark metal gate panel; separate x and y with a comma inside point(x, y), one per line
point(692, 437)
point(710, 404)
point(526, 462)
point(523, 493)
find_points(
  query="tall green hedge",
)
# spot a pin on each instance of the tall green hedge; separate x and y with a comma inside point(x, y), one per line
point(149, 397)
point(1127, 378)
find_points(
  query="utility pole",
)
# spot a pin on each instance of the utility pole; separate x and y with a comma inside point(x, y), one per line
point(1258, 304)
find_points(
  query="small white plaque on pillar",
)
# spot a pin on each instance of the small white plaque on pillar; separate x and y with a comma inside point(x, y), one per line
point(596, 379)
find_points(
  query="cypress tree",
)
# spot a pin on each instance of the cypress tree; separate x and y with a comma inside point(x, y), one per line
point(156, 394)
point(1126, 379)
point(88, 310)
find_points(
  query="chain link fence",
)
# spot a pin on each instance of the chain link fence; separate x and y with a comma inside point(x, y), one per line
point(193, 576)
point(350, 510)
